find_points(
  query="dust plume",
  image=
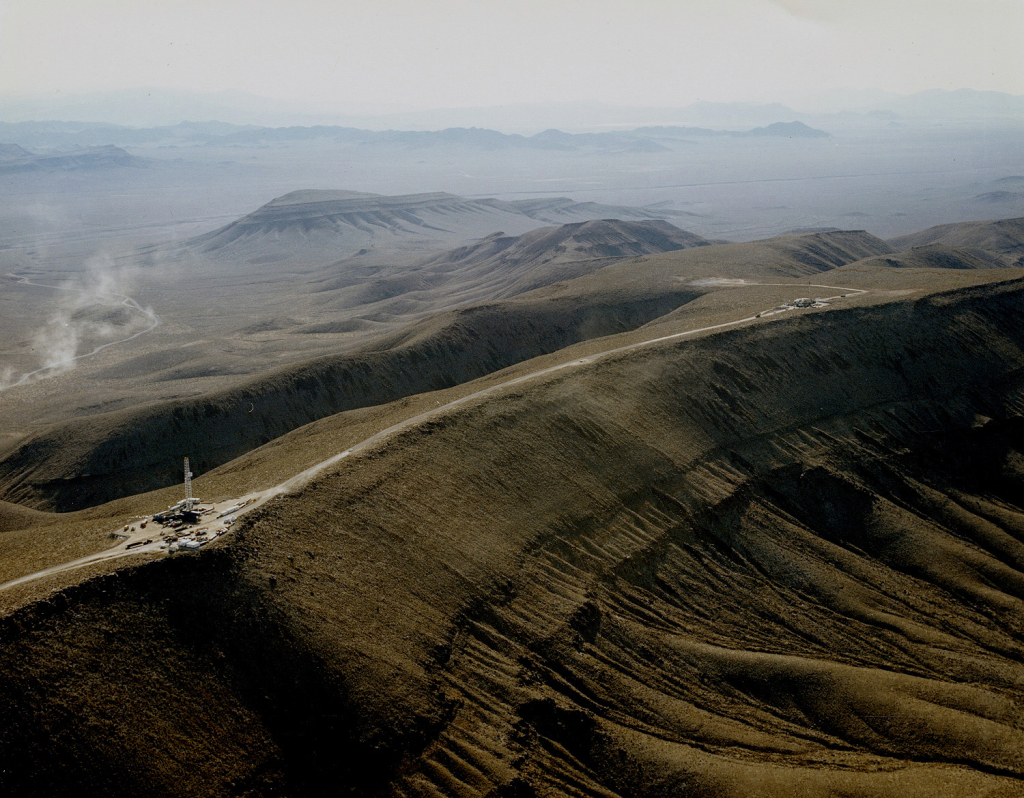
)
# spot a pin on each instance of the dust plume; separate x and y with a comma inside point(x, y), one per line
point(90, 314)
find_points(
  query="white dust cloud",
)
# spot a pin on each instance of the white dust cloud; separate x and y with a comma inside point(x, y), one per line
point(89, 314)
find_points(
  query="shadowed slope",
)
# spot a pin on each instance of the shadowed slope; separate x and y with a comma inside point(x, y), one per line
point(96, 459)
point(784, 560)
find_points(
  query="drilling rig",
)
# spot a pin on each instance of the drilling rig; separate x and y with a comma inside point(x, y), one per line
point(189, 501)
point(184, 511)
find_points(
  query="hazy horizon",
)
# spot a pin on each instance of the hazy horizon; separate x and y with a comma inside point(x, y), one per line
point(363, 60)
point(146, 108)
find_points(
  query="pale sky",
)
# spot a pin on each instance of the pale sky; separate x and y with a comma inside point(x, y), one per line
point(457, 53)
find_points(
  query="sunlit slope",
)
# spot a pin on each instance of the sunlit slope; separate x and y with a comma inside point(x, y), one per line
point(14, 516)
point(936, 256)
point(101, 457)
point(1003, 238)
point(782, 560)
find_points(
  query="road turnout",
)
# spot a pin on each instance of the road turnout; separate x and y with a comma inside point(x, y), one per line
point(149, 540)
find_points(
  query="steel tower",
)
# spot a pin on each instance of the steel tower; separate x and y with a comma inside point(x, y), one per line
point(188, 487)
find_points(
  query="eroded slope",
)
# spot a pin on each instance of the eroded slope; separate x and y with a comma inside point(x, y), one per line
point(784, 560)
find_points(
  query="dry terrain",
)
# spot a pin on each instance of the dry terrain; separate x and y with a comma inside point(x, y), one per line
point(586, 510)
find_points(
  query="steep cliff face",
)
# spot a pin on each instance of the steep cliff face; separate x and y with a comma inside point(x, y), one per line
point(784, 560)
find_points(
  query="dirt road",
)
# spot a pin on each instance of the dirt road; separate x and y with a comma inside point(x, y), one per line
point(258, 498)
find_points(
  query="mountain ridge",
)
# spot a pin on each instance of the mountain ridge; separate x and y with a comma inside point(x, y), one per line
point(217, 134)
point(1001, 237)
point(97, 158)
point(99, 457)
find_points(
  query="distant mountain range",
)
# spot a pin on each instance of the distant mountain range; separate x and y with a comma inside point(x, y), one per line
point(161, 107)
point(71, 135)
point(14, 158)
point(562, 126)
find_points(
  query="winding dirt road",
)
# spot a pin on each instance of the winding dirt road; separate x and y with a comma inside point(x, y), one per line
point(258, 498)
point(126, 300)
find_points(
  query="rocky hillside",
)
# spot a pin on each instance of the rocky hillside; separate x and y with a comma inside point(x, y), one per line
point(98, 458)
point(937, 256)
